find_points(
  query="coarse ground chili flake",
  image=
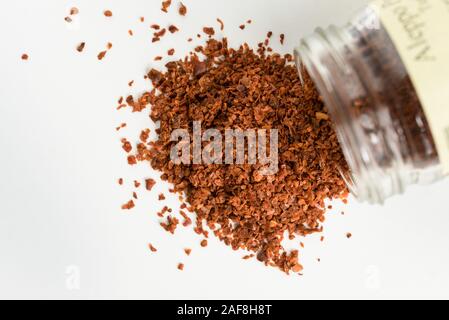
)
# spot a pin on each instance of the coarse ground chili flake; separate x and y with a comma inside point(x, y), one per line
point(137, 184)
point(209, 31)
point(182, 9)
point(181, 266)
point(173, 29)
point(80, 47)
point(101, 55)
point(152, 248)
point(240, 88)
point(107, 13)
point(166, 5)
point(120, 181)
point(129, 205)
point(282, 38)
point(25, 56)
point(155, 27)
point(126, 145)
point(74, 11)
point(149, 184)
point(221, 24)
point(188, 251)
point(171, 52)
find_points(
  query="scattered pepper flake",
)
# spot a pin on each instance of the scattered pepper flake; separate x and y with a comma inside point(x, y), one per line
point(188, 251)
point(171, 52)
point(101, 55)
point(209, 31)
point(349, 235)
point(129, 205)
point(130, 32)
point(161, 197)
point(221, 24)
point(120, 181)
point(182, 9)
point(152, 248)
point(173, 29)
point(107, 13)
point(242, 26)
point(80, 47)
point(149, 184)
point(126, 145)
point(282, 38)
point(155, 26)
point(166, 5)
point(203, 243)
point(74, 11)
point(181, 266)
point(121, 126)
point(25, 57)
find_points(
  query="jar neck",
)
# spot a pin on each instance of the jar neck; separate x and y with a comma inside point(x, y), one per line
point(369, 140)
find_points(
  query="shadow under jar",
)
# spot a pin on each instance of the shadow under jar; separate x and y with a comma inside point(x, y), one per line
point(378, 115)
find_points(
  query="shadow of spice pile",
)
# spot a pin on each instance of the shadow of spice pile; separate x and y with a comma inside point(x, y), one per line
point(244, 89)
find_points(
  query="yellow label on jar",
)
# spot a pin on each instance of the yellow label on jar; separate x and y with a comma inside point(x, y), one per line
point(420, 31)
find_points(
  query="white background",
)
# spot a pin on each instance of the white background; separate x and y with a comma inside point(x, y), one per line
point(60, 218)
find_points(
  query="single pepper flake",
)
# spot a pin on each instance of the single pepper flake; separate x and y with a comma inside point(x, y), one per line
point(107, 13)
point(80, 47)
point(182, 9)
point(247, 89)
point(101, 55)
point(209, 31)
point(173, 29)
point(25, 57)
point(149, 184)
point(166, 5)
point(152, 248)
point(129, 205)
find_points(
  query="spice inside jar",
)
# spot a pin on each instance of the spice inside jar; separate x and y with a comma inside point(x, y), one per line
point(375, 98)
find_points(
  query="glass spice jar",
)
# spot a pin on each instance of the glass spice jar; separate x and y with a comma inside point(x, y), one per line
point(384, 78)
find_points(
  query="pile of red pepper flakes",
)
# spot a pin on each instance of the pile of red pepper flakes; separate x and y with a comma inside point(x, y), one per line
point(240, 88)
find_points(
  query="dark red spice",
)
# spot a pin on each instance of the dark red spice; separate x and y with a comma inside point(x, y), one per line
point(149, 184)
point(171, 52)
point(129, 205)
point(188, 251)
point(152, 248)
point(166, 5)
point(181, 266)
point(241, 88)
point(101, 55)
point(132, 160)
point(107, 13)
point(25, 57)
point(203, 243)
point(173, 29)
point(120, 181)
point(161, 197)
point(126, 145)
point(182, 9)
point(209, 31)
point(80, 47)
point(282, 39)
point(221, 24)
